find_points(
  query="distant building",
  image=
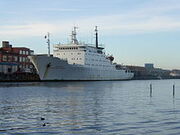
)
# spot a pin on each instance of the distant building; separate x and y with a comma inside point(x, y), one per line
point(149, 66)
point(139, 72)
point(175, 73)
point(14, 59)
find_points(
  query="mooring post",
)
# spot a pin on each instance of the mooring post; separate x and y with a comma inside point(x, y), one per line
point(150, 90)
point(173, 90)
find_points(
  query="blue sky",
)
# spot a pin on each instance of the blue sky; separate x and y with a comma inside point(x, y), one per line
point(134, 31)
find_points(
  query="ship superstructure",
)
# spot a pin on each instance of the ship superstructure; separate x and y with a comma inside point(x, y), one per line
point(78, 61)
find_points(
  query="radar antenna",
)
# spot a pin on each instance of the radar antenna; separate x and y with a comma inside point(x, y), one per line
point(96, 30)
point(73, 36)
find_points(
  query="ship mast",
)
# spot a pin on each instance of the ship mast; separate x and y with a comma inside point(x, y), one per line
point(96, 30)
point(73, 36)
point(48, 42)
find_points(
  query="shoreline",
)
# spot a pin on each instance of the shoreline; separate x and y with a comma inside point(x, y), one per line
point(19, 81)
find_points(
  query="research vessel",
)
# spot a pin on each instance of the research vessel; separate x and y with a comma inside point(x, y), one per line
point(78, 61)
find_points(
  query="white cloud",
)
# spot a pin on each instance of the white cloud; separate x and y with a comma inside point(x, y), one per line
point(144, 20)
point(59, 9)
point(34, 29)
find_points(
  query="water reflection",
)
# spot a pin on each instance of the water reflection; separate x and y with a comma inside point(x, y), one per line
point(109, 107)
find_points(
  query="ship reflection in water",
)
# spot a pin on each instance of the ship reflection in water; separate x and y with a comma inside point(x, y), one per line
point(99, 107)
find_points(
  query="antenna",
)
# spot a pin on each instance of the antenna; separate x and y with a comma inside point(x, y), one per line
point(73, 36)
point(96, 30)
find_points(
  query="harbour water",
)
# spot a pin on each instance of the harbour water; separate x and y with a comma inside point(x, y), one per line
point(90, 108)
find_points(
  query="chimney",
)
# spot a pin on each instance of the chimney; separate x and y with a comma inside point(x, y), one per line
point(5, 44)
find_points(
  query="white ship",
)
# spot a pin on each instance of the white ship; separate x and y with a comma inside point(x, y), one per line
point(78, 61)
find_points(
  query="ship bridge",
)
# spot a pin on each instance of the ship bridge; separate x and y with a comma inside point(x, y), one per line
point(89, 55)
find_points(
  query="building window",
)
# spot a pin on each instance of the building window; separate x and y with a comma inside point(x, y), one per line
point(4, 58)
point(27, 60)
point(20, 59)
point(27, 52)
point(9, 58)
point(20, 52)
point(24, 59)
point(15, 58)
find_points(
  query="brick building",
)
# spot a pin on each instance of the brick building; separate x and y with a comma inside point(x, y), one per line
point(14, 59)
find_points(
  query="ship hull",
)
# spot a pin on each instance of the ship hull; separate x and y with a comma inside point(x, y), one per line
point(52, 68)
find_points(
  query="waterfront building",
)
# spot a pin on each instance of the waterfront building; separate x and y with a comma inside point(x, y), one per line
point(14, 59)
point(149, 66)
point(175, 73)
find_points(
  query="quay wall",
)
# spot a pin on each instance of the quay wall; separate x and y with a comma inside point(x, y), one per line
point(19, 77)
